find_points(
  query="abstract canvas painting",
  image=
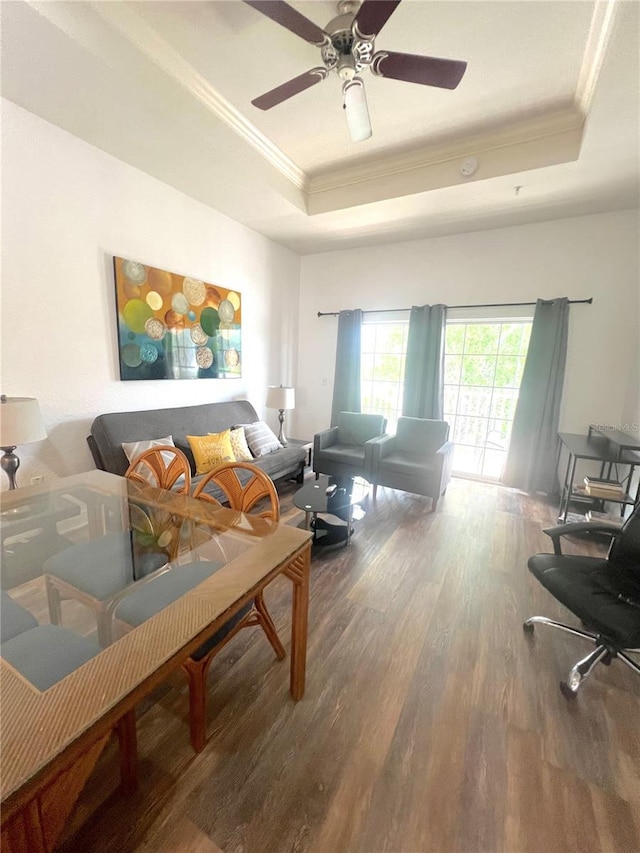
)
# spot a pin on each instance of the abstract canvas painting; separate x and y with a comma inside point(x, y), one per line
point(171, 326)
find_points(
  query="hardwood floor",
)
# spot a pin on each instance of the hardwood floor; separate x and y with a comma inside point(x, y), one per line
point(430, 722)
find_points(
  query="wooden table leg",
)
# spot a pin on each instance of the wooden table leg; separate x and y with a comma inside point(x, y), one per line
point(127, 737)
point(298, 573)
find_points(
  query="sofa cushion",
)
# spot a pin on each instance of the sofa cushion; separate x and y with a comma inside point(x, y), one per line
point(356, 428)
point(211, 450)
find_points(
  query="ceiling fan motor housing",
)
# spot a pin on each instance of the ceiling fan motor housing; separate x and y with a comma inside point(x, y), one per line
point(346, 52)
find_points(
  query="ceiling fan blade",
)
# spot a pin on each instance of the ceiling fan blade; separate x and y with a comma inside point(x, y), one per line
point(288, 17)
point(290, 88)
point(372, 16)
point(427, 70)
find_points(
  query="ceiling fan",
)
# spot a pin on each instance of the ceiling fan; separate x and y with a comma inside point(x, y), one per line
point(347, 46)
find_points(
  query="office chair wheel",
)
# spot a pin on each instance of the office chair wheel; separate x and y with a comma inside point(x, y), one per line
point(566, 691)
point(527, 627)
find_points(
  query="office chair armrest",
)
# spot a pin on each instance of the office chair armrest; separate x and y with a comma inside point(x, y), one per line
point(579, 527)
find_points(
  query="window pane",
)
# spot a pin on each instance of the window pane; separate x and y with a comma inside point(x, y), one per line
point(504, 403)
point(482, 338)
point(526, 335)
point(467, 459)
point(475, 401)
point(498, 435)
point(388, 367)
point(478, 369)
point(510, 338)
point(389, 338)
point(452, 367)
point(450, 399)
point(493, 463)
point(454, 337)
point(368, 338)
point(507, 371)
point(366, 367)
point(470, 431)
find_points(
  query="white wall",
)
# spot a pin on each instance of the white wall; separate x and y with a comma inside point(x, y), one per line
point(66, 209)
point(587, 256)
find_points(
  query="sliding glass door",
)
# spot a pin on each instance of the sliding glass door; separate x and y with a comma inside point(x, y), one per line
point(483, 369)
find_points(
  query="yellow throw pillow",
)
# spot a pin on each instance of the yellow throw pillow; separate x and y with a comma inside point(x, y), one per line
point(211, 450)
point(239, 445)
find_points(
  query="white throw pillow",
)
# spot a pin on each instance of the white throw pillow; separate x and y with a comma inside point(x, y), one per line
point(133, 449)
point(260, 438)
point(239, 444)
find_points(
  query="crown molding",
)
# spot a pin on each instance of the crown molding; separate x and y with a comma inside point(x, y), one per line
point(602, 22)
point(560, 121)
point(128, 23)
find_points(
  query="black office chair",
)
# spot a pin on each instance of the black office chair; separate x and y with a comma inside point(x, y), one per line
point(603, 593)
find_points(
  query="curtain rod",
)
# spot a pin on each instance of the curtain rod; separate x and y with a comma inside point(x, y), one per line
point(485, 305)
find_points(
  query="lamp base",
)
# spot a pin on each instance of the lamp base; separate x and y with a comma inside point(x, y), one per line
point(10, 464)
point(281, 437)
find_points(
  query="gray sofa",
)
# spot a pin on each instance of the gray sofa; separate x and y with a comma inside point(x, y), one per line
point(110, 431)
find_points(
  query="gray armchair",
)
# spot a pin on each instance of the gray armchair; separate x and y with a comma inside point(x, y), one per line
point(416, 459)
point(345, 450)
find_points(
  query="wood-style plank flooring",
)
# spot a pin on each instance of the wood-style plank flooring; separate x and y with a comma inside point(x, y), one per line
point(430, 722)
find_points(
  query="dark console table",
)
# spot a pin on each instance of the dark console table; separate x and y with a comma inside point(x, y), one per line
point(610, 449)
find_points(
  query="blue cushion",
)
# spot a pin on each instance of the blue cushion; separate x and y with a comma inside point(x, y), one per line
point(46, 654)
point(150, 598)
point(13, 618)
point(104, 566)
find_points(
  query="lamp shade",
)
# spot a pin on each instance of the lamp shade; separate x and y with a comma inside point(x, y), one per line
point(20, 421)
point(281, 397)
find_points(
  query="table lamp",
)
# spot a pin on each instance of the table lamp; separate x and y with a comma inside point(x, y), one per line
point(281, 397)
point(20, 423)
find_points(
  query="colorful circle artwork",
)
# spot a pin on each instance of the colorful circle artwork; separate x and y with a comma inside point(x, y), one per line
point(154, 300)
point(134, 272)
point(131, 355)
point(198, 335)
point(194, 290)
point(212, 298)
point(179, 303)
point(136, 313)
point(231, 357)
point(131, 291)
point(148, 353)
point(204, 357)
point(174, 321)
point(160, 280)
point(210, 321)
point(155, 329)
point(173, 326)
point(226, 311)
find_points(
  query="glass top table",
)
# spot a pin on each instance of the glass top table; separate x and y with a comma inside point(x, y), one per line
point(107, 586)
point(329, 495)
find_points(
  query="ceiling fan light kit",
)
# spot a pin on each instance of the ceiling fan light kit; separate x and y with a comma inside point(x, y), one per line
point(356, 109)
point(347, 46)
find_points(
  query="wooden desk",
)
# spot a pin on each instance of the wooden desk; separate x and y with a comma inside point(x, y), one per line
point(51, 740)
